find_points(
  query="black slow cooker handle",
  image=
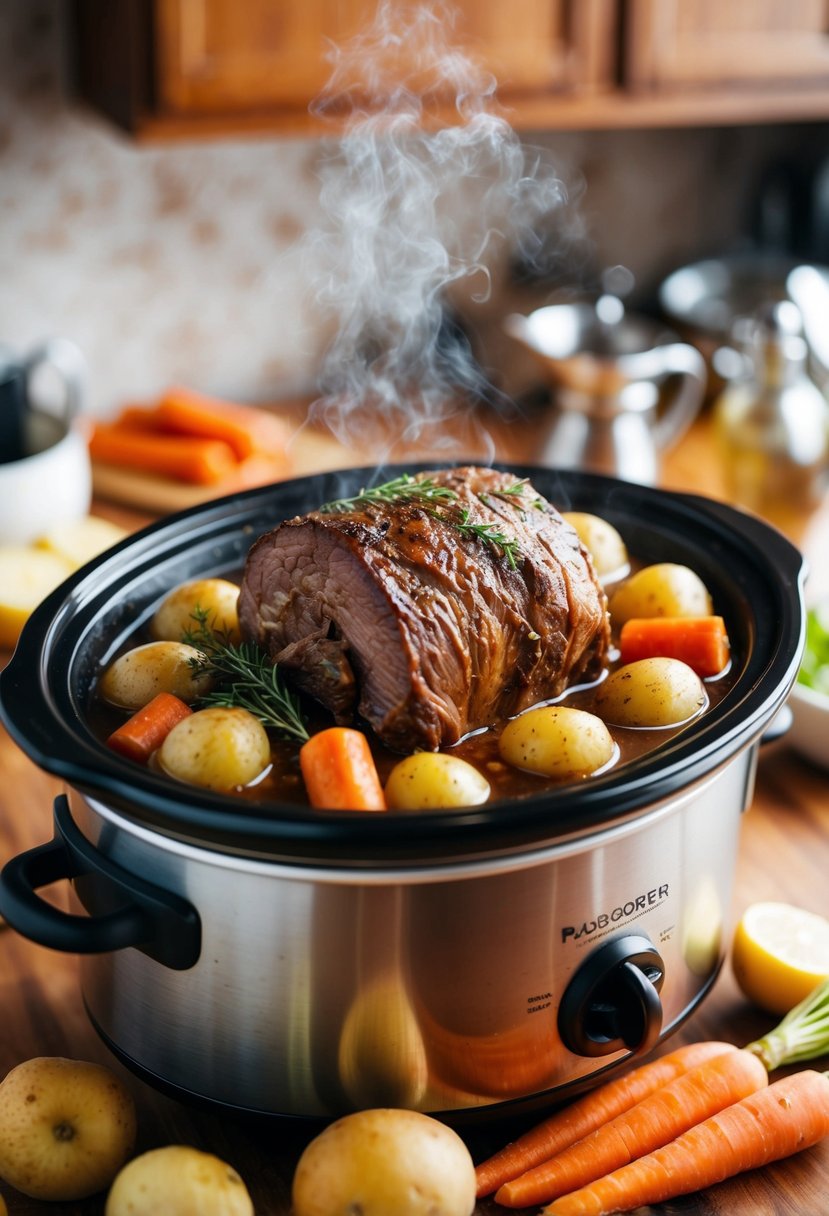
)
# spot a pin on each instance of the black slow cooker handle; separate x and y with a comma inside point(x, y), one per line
point(127, 910)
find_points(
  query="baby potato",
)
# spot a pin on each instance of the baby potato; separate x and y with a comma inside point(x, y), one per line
point(220, 748)
point(132, 680)
point(380, 1161)
point(433, 779)
point(217, 598)
point(603, 543)
point(557, 741)
point(665, 589)
point(652, 692)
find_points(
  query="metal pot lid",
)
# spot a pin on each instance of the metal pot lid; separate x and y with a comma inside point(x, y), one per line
point(754, 574)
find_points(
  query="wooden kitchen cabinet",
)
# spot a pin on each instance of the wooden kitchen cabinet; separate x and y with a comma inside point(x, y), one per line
point(167, 68)
point(695, 47)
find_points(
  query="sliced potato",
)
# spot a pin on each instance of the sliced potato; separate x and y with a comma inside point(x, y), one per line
point(134, 678)
point(434, 779)
point(557, 741)
point(220, 748)
point(604, 544)
point(652, 692)
point(26, 577)
point(79, 540)
point(664, 589)
point(217, 598)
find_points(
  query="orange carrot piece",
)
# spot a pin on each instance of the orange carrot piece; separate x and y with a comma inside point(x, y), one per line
point(148, 727)
point(339, 771)
point(245, 428)
point(790, 1115)
point(583, 1116)
point(200, 461)
point(656, 1120)
point(699, 641)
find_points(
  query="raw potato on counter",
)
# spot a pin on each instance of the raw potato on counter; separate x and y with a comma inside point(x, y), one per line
point(178, 1180)
point(66, 1128)
point(383, 1161)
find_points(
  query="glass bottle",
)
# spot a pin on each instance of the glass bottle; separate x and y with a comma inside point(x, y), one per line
point(772, 424)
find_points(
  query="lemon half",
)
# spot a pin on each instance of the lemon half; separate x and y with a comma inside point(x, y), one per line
point(780, 954)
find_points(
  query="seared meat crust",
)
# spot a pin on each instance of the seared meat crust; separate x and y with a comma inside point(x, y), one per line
point(392, 613)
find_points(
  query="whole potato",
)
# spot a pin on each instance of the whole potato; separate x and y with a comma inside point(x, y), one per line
point(178, 1180)
point(217, 598)
point(383, 1161)
point(220, 748)
point(137, 676)
point(604, 544)
point(433, 779)
point(557, 741)
point(651, 692)
point(665, 589)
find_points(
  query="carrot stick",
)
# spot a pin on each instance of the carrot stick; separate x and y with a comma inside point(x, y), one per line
point(339, 771)
point(147, 729)
point(790, 1115)
point(200, 461)
point(656, 1120)
point(699, 641)
point(593, 1110)
point(245, 428)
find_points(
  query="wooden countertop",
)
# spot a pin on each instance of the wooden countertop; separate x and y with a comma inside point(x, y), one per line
point(784, 854)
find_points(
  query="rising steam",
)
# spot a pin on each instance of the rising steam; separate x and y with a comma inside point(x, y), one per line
point(424, 186)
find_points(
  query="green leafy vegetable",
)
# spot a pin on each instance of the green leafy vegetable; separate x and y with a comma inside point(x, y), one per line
point(814, 668)
point(245, 679)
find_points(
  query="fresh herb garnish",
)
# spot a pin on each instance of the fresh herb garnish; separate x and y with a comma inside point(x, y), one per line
point(490, 534)
point(400, 489)
point(245, 678)
point(430, 495)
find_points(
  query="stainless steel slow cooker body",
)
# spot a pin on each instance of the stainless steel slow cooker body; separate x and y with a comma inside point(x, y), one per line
point(283, 961)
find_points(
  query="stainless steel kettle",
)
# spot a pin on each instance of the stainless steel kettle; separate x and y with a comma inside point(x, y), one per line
point(625, 388)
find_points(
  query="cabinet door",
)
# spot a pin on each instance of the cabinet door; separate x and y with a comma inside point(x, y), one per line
point(223, 56)
point(701, 44)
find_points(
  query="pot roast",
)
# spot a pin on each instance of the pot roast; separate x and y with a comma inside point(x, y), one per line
point(429, 617)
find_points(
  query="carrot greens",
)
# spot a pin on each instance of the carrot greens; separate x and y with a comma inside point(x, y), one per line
point(803, 1033)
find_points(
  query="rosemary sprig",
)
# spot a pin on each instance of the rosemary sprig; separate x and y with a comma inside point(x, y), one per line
point(246, 679)
point(490, 534)
point(400, 489)
point(430, 494)
point(514, 495)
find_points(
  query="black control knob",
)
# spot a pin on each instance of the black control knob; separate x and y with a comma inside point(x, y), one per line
point(612, 1001)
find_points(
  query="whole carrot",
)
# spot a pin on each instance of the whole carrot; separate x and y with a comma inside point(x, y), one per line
point(790, 1115)
point(148, 727)
point(339, 771)
point(593, 1110)
point(184, 457)
point(656, 1120)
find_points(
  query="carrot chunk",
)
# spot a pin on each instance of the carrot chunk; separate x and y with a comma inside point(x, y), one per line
point(339, 771)
point(148, 727)
point(699, 641)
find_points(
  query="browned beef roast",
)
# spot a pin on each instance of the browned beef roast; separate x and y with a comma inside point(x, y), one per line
point(394, 613)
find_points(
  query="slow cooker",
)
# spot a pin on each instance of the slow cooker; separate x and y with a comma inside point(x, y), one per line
point(282, 961)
